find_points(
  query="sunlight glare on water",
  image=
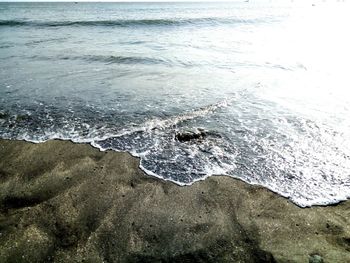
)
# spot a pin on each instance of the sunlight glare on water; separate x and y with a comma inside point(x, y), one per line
point(267, 85)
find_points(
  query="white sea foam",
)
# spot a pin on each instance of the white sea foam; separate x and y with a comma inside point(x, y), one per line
point(284, 123)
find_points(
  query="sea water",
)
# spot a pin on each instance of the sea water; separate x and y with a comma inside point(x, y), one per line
point(267, 84)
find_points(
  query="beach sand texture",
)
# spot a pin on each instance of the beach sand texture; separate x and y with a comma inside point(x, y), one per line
point(66, 202)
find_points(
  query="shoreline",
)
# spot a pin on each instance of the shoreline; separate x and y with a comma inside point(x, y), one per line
point(154, 175)
point(62, 202)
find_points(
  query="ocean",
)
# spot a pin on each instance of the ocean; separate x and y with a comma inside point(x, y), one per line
point(255, 91)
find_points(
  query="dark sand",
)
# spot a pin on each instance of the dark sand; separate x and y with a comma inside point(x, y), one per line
point(65, 202)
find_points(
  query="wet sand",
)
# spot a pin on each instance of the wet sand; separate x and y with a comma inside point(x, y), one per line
point(66, 202)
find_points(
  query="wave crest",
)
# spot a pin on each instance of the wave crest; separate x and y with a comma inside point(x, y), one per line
point(131, 22)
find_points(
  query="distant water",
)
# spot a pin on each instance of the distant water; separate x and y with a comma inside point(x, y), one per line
point(269, 84)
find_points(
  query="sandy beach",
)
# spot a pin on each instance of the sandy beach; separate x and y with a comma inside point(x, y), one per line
point(174, 131)
point(66, 202)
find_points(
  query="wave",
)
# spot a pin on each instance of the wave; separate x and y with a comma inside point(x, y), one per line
point(131, 22)
point(12, 23)
point(149, 125)
point(116, 59)
point(160, 124)
point(108, 59)
point(258, 159)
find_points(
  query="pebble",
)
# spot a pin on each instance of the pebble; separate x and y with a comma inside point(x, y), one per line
point(315, 259)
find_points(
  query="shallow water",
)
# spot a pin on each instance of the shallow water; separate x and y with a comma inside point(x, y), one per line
point(268, 84)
